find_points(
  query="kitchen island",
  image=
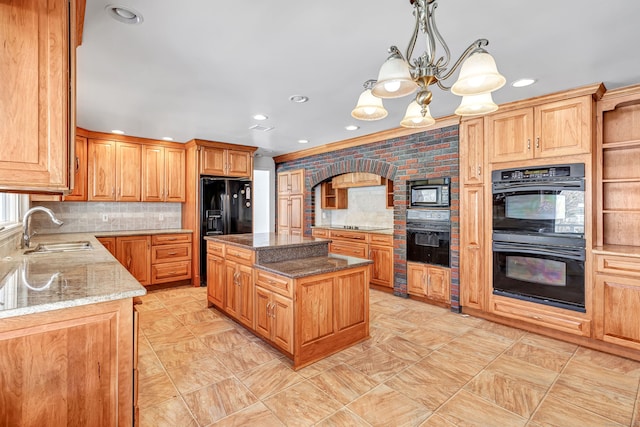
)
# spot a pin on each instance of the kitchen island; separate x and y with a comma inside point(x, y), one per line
point(291, 292)
point(67, 335)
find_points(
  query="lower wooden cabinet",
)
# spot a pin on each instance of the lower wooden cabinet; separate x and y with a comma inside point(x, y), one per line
point(109, 243)
point(239, 291)
point(170, 258)
point(274, 318)
point(215, 280)
point(134, 253)
point(69, 367)
point(430, 281)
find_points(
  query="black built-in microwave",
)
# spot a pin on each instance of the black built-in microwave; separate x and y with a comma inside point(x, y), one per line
point(429, 193)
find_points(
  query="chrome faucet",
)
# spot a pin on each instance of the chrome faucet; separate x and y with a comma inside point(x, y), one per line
point(26, 223)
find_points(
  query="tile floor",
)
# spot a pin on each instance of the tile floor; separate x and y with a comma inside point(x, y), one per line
point(422, 366)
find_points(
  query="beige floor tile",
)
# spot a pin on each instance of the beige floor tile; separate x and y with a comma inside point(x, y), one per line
point(549, 343)
point(211, 326)
point(302, 404)
point(316, 368)
point(430, 338)
point(254, 415)
point(198, 316)
point(169, 338)
point(187, 351)
point(636, 413)
point(467, 409)
point(155, 389)
point(177, 301)
point(245, 358)
point(436, 420)
point(518, 369)
point(343, 383)
point(225, 340)
point(269, 378)
point(539, 356)
point(558, 412)
point(394, 324)
point(189, 306)
point(384, 406)
point(506, 331)
point(343, 418)
point(191, 376)
point(149, 304)
point(404, 349)
point(619, 364)
point(149, 365)
point(603, 375)
point(171, 413)
point(459, 364)
point(160, 325)
point(216, 401)
point(454, 324)
point(377, 364)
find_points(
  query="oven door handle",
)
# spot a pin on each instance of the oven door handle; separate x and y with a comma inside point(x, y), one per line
point(505, 187)
point(557, 251)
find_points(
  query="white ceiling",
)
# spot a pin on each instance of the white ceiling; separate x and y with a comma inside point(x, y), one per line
point(203, 68)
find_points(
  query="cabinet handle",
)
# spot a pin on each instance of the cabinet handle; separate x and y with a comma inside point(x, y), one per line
point(428, 280)
point(119, 191)
point(370, 254)
point(528, 144)
point(172, 253)
point(479, 170)
point(538, 142)
point(77, 164)
point(113, 191)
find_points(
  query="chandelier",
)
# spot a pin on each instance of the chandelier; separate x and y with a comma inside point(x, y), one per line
point(403, 75)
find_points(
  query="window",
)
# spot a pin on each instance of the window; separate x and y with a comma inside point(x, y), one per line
point(10, 208)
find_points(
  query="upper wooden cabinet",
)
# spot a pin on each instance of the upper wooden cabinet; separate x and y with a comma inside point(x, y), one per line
point(114, 171)
point(163, 174)
point(38, 93)
point(560, 128)
point(356, 179)
point(226, 162)
point(79, 165)
point(333, 198)
point(472, 168)
point(291, 182)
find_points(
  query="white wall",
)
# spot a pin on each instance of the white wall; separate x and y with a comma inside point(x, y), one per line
point(264, 193)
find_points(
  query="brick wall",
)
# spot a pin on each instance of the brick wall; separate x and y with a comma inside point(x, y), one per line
point(429, 154)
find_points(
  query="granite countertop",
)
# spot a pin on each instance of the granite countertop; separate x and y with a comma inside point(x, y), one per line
point(364, 229)
point(262, 241)
point(42, 282)
point(303, 267)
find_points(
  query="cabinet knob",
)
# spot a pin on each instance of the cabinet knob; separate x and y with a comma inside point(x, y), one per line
point(538, 142)
point(479, 170)
point(528, 144)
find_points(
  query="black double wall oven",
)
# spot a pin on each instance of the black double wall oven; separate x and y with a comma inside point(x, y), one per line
point(538, 235)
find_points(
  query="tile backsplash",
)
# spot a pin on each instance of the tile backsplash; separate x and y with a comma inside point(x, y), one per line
point(104, 216)
point(367, 206)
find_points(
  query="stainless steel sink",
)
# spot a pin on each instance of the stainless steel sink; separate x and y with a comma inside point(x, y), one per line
point(60, 247)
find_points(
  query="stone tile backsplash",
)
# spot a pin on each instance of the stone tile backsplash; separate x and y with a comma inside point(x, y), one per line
point(88, 217)
point(367, 206)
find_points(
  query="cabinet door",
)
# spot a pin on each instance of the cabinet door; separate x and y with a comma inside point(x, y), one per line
point(282, 325)
point(382, 269)
point(472, 151)
point(134, 253)
point(102, 170)
point(129, 172)
point(212, 161)
point(283, 214)
point(472, 281)
point(509, 135)
point(617, 306)
point(231, 294)
point(245, 298)
point(175, 175)
point(296, 181)
point(79, 166)
point(284, 183)
point(438, 287)
point(416, 279)
point(38, 82)
point(215, 280)
point(263, 312)
point(152, 173)
point(296, 214)
point(109, 243)
point(564, 127)
point(239, 163)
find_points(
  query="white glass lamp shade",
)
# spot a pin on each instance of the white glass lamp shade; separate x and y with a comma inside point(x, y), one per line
point(394, 79)
point(369, 107)
point(413, 117)
point(478, 74)
point(476, 104)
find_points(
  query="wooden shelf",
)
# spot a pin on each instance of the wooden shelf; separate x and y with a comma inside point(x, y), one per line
point(623, 180)
point(333, 198)
point(620, 144)
point(389, 186)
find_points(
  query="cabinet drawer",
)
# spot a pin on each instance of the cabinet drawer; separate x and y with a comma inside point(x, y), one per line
point(547, 318)
point(275, 283)
point(170, 272)
point(320, 232)
point(215, 248)
point(381, 239)
point(166, 239)
point(243, 256)
point(348, 235)
point(348, 248)
point(171, 253)
point(627, 266)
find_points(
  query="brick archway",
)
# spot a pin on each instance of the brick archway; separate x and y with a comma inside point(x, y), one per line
point(384, 169)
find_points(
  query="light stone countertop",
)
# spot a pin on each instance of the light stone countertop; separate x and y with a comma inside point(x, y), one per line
point(364, 229)
point(42, 282)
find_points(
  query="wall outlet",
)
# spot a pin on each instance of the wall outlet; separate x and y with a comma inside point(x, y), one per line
point(105, 217)
point(161, 217)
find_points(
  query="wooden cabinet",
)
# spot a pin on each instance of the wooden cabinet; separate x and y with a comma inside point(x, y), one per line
point(274, 309)
point(239, 292)
point(215, 280)
point(617, 299)
point(472, 167)
point(429, 281)
point(170, 258)
point(291, 215)
point(291, 182)
point(109, 243)
point(79, 166)
point(560, 128)
point(226, 162)
point(134, 253)
point(72, 366)
point(163, 174)
point(38, 94)
point(114, 171)
point(473, 281)
point(381, 253)
point(333, 198)
point(356, 179)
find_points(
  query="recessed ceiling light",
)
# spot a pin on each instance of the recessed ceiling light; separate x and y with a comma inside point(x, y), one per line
point(260, 117)
point(352, 127)
point(299, 99)
point(523, 82)
point(117, 132)
point(124, 14)
point(303, 141)
point(167, 138)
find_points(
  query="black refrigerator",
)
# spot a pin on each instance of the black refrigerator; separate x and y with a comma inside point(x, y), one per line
point(226, 208)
